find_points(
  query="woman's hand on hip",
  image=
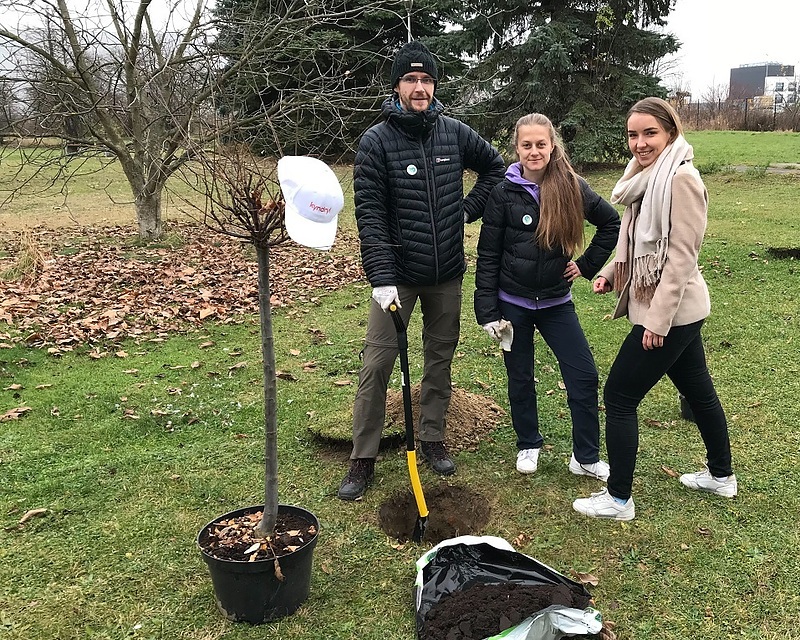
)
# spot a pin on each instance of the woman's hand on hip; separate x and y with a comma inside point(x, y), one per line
point(601, 285)
point(652, 340)
point(572, 273)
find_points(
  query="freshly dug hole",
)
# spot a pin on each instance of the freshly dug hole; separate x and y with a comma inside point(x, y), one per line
point(453, 511)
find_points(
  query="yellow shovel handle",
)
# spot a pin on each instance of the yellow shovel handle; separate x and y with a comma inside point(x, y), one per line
point(416, 485)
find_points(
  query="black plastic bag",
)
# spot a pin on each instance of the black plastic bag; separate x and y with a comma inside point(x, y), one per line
point(461, 563)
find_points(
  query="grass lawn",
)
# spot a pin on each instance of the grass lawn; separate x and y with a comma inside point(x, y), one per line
point(750, 148)
point(131, 455)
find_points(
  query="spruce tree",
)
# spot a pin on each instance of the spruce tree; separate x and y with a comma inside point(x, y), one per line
point(580, 63)
point(321, 79)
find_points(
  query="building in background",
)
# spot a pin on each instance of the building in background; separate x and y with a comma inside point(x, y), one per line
point(767, 84)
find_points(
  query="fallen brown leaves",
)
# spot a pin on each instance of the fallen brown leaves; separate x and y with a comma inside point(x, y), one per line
point(236, 538)
point(105, 288)
point(32, 513)
point(14, 414)
point(585, 578)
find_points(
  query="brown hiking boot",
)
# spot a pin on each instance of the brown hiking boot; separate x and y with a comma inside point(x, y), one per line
point(435, 453)
point(358, 478)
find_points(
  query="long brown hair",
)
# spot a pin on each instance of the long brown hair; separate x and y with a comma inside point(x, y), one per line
point(561, 200)
point(662, 111)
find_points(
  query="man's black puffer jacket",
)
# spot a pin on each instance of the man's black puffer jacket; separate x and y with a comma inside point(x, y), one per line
point(510, 257)
point(409, 195)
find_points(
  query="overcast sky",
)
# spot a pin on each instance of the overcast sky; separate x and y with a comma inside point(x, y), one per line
point(718, 35)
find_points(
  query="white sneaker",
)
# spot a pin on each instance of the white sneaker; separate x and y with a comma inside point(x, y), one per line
point(528, 460)
point(599, 469)
point(704, 481)
point(603, 505)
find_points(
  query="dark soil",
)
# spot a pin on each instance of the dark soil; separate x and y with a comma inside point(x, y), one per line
point(453, 511)
point(235, 539)
point(485, 610)
point(784, 253)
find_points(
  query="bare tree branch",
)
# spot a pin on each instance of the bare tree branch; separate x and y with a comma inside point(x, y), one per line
point(116, 78)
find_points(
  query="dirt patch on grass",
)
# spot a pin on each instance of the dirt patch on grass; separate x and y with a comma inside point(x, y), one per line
point(470, 418)
point(784, 253)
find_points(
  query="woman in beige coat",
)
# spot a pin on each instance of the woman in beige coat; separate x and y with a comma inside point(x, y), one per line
point(663, 294)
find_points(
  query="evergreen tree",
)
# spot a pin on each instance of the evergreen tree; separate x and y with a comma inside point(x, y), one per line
point(581, 63)
point(319, 82)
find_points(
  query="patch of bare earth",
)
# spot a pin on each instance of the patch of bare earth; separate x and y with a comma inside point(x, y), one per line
point(470, 417)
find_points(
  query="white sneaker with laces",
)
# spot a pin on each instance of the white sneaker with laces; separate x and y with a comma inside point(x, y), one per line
point(528, 460)
point(603, 505)
point(704, 481)
point(599, 469)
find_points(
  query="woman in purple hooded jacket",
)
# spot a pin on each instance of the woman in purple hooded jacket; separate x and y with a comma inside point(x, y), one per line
point(533, 226)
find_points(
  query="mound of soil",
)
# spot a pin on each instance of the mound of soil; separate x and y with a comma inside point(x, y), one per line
point(470, 417)
point(485, 610)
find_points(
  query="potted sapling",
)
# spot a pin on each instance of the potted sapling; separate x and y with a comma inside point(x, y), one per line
point(260, 556)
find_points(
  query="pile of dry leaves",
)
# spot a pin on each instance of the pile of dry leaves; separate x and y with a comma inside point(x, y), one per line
point(101, 287)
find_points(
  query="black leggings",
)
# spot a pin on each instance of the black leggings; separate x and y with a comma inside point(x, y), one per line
point(634, 372)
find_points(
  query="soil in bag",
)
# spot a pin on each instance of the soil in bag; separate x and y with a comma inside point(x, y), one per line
point(484, 610)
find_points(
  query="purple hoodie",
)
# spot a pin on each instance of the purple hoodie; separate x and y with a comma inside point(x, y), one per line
point(514, 174)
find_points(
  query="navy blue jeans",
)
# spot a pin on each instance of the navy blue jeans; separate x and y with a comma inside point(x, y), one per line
point(561, 330)
point(634, 372)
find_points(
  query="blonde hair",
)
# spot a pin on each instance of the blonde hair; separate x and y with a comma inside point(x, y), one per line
point(662, 111)
point(561, 197)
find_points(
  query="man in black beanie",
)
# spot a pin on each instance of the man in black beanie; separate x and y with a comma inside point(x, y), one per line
point(411, 210)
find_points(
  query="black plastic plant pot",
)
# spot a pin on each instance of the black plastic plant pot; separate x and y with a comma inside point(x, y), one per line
point(250, 591)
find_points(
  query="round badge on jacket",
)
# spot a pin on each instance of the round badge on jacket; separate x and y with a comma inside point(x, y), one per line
point(526, 219)
point(411, 170)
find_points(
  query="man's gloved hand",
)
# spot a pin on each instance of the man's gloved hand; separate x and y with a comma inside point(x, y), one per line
point(385, 296)
point(493, 329)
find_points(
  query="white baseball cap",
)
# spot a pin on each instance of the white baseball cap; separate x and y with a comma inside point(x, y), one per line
point(313, 199)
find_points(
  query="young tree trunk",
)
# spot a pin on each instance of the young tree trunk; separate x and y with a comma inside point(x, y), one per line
point(266, 527)
point(148, 215)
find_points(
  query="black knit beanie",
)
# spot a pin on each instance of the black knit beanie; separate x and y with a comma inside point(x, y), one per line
point(411, 57)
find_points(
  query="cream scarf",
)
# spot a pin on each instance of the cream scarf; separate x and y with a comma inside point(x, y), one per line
point(647, 192)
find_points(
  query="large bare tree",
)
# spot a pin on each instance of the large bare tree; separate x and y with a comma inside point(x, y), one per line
point(137, 80)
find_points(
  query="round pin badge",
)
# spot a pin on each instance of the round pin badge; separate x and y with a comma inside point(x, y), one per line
point(411, 170)
point(526, 219)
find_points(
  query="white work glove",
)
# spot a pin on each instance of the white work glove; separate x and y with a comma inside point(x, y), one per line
point(501, 331)
point(386, 296)
point(493, 329)
point(506, 335)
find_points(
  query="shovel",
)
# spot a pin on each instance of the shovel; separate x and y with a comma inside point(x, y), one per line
point(411, 453)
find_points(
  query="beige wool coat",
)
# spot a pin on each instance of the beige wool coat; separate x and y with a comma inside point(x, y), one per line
point(681, 296)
